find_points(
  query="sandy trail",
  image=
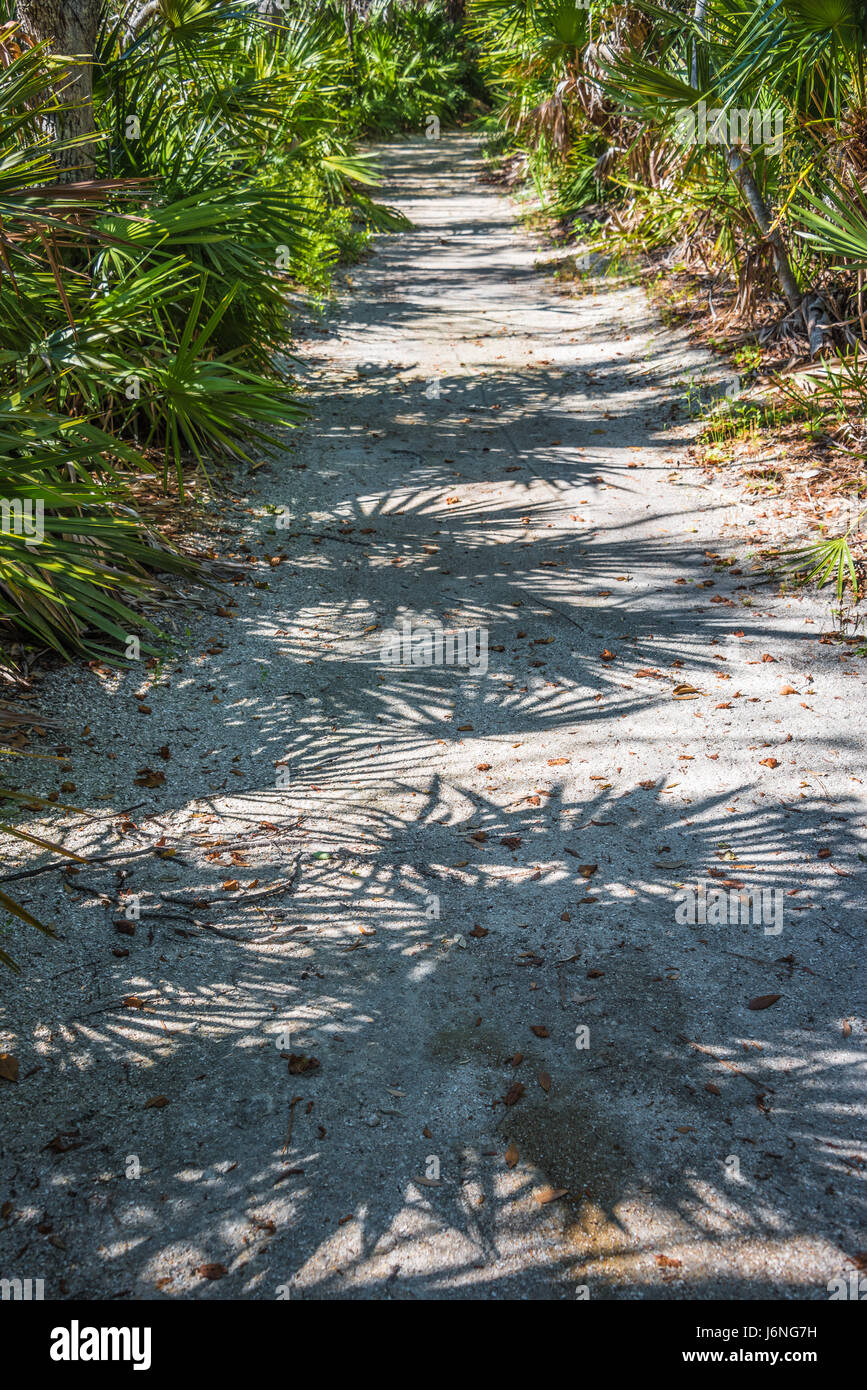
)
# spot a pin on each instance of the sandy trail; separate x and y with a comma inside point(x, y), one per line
point(421, 843)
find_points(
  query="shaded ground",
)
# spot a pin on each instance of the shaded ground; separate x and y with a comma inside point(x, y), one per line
point(332, 830)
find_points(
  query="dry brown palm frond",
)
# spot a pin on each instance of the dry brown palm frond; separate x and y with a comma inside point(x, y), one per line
point(625, 29)
point(550, 120)
point(12, 43)
point(606, 161)
point(649, 160)
point(18, 718)
point(849, 145)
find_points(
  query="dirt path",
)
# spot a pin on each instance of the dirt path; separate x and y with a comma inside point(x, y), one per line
point(456, 869)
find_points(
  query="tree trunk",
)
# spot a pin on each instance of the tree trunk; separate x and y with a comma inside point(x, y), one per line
point(697, 18)
point(272, 12)
point(70, 27)
point(743, 177)
point(751, 193)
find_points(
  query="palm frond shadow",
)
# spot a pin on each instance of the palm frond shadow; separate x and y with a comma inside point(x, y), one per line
point(316, 961)
point(384, 860)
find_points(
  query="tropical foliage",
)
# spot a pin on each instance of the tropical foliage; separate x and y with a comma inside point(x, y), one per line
point(413, 63)
point(145, 308)
point(730, 134)
point(148, 268)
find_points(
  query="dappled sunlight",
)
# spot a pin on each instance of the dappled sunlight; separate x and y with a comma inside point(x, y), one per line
point(373, 983)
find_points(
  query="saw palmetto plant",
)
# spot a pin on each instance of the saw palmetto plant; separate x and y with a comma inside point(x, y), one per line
point(155, 237)
point(411, 63)
point(730, 135)
point(144, 308)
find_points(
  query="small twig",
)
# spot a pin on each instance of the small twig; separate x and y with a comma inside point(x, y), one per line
point(731, 1066)
point(194, 921)
point(79, 887)
point(64, 863)
point(293, 1102)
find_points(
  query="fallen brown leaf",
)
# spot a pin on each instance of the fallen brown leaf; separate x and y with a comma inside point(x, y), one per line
point(63, 1142)
point(763, 1001)
point(148, 778)
point(8, 1066)
point(299, 1063)
point(544, 1195)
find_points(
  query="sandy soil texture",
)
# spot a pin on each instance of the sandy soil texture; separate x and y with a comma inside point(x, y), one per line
point(405, 1006)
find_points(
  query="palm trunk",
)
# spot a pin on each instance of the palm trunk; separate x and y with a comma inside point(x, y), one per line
point(70, 27)
point(761, 215)
point(751, 193)
point(698, 18)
